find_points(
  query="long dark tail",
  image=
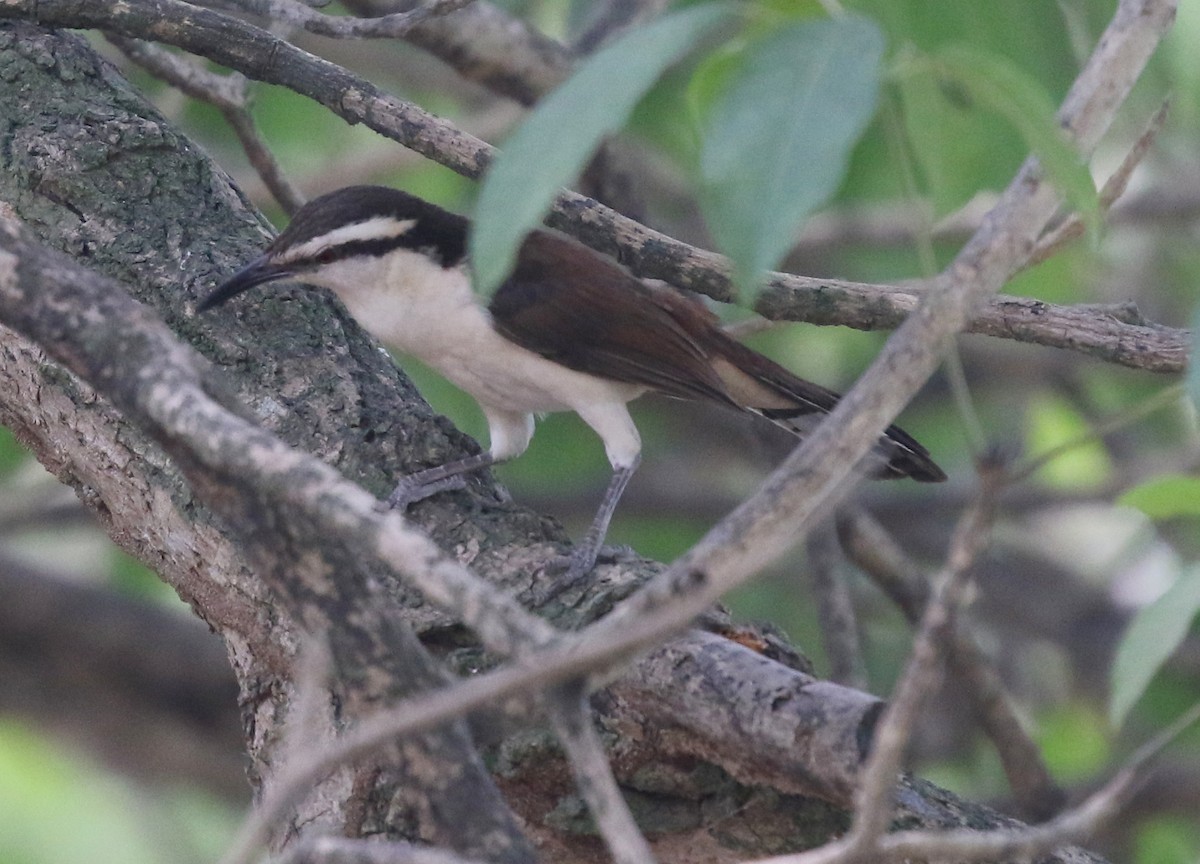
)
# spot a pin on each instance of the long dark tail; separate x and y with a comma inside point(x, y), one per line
point(764, 387)
point(899, 454)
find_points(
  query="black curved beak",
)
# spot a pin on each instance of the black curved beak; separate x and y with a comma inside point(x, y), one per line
point(257, 272)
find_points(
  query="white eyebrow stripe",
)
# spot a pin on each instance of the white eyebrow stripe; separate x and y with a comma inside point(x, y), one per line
point(375, 228)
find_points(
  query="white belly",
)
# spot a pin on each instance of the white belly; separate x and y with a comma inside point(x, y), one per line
point(514, 379)
point(443, 325)
point(433, 315)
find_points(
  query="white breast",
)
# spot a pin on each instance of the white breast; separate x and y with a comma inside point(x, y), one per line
point(416, 307)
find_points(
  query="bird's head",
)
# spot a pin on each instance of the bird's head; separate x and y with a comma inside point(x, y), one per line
point(343, 239)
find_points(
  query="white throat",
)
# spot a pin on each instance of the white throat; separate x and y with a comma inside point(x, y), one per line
point(409, 302)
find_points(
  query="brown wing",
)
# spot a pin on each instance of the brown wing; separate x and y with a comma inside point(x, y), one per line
point(599, 319)
point(571, 305)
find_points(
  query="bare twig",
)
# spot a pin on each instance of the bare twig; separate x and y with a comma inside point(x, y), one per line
point(876, 553)
point(1114, 333)
point(960, 391)
point(1073, 228)
point(1163, 739)
point(571, 716)
point(295, 14)
point(487, 45)
point(839, 628)
point(967, 845)
point(226, 93)
point(873, 550)
point(1156, 402)
point(873, 804)
point(1008, 844)
point(899, 223)
point(307, 726)
point(608, 19)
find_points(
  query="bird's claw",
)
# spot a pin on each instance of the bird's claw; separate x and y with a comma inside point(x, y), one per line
point(410, 490)
point(578, 566)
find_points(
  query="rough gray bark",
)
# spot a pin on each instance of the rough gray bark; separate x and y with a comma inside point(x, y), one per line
point(74, 147)
point(98, 175)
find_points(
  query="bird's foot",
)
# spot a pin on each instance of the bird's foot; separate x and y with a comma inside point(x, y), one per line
point(577, 567)
point(412, 489)
point(430, 481)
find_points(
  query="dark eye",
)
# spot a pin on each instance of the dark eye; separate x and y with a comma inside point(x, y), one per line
point(325, 256)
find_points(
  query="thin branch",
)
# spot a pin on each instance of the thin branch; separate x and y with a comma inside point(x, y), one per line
point(1163, 398)
point(1114, 333)
point(396, 25)
point(964, 403)
point(1023, 844)
point(1005, 844)
point(307, 724)
point(487, 45)
point(873, 804)
point(869, 546)
point(608, 19)
point(899, 223)
point(839, 627)
point(968, 845)
point(1020, 844)
point(571, 716)
point(1073, 228)
point(226, 93)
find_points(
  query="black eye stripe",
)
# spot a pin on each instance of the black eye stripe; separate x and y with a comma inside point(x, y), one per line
point(440, 234)
point(446, 251)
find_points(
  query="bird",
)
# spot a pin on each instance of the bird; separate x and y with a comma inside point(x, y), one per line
point(569, 330)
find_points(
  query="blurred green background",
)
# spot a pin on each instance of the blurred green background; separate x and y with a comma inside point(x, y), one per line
point(1069, 565)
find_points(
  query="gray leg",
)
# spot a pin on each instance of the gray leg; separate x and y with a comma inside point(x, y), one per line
point(583, 558)
point(440, 478)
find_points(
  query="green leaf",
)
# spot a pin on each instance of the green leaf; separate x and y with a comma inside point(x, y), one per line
point(1165, 497)
point(954, 145)
point(555, 141)
point(999, 85)
point(708, 83)
point(1152, 637)
point(778, 138)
